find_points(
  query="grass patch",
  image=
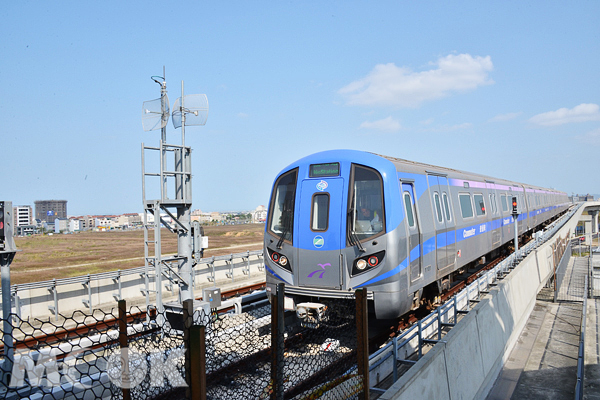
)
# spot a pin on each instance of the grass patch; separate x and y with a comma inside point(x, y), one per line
point(61, 256)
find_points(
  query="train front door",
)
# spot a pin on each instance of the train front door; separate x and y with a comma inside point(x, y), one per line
point(319, 239)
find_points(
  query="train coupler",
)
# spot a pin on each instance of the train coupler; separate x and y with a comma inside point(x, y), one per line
point(311, 314)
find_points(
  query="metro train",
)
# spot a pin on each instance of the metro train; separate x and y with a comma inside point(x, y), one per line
point(344, 219)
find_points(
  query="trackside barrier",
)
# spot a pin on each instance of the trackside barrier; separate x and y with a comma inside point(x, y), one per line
point(466, 360)
point(581, 350)
point(63, 296)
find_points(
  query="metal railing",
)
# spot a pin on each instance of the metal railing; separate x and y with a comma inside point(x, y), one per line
point(581, 351)
point(110, 286)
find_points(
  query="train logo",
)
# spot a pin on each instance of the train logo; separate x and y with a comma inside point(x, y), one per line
point(322, 270)
point(321, 186)
point(318, 241)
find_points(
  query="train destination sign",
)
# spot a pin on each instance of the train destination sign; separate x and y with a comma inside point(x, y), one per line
point(323, 170)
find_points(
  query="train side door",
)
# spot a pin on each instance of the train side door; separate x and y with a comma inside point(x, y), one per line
point(496, 218)
point(415, 250)
point(319, 227)
point(439, 223)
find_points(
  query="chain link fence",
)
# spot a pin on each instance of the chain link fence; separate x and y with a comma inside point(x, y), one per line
point(186, 353)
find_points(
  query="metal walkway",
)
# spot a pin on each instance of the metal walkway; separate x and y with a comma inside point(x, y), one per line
point(543, 363)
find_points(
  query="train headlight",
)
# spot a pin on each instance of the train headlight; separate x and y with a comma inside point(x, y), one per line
point(280, 259)
point(367, 262)
point(361, 265)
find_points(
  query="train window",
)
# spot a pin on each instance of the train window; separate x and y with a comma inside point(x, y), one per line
point(446, 206)
point(466, 207)
point(493, 203)
point(503, 202)
point(281, 212)
point(479, 204)
point(366, 217)
point(438, 207)
point(320, 212)
point(409, 209)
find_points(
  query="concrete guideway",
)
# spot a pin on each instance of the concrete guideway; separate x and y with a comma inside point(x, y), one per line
point(466, 363)
point(543, 363)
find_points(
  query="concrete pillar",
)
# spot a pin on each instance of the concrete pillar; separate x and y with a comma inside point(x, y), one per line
point(594, 215)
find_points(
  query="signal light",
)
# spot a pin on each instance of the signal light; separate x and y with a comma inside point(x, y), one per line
point(7, 243)
point(514, 205)
point(1, 220)
point(373, 261)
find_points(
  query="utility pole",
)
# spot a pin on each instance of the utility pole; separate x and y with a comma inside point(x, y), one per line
point(7, 253)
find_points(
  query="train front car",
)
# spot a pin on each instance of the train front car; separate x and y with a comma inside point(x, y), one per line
point(329, 232)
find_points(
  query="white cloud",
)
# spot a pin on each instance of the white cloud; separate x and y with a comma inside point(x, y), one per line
point(242, 115)
point(592, 137)
point(389, 85)
point(581, 113)
point(505, 117)
point(388, 124)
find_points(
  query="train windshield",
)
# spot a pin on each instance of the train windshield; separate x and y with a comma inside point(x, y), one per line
point(281, 214)
point(366, 213)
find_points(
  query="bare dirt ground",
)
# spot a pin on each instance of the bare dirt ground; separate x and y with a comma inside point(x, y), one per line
point(60, 256)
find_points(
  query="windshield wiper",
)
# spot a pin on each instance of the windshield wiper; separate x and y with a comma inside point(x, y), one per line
point(354, 240)
point(286, 228)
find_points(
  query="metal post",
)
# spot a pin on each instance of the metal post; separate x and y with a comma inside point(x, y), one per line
point(188, 317)
point(119, 278)
point(55, 295)
point(277, 343)
point(515, 217)
point(7, 333)
point(158, 265)
point(125, 373)
point(362, 338)
point(439, 317)
point(198, 362)
point(184, 249)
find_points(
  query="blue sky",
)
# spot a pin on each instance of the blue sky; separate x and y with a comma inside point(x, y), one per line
point(508, 89)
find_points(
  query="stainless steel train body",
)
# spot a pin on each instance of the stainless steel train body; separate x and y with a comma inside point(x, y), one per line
point(341, 220)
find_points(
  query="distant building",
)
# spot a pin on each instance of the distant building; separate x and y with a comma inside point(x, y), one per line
point(61, 225)
point(216, 216)
point(578, 198)
point(105, 221)
point(23, 221)
point(49, 210)
point(75, 225)
point(259, 215)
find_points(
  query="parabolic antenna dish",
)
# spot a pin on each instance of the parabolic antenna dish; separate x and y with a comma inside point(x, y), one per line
point(195, 107)
point(153, 116)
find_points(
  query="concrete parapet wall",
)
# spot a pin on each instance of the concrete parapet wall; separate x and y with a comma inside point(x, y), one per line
point(465, 364)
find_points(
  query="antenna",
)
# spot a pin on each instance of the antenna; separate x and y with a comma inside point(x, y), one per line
point(153, 116)
point(155, 113)
point(195, 110)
